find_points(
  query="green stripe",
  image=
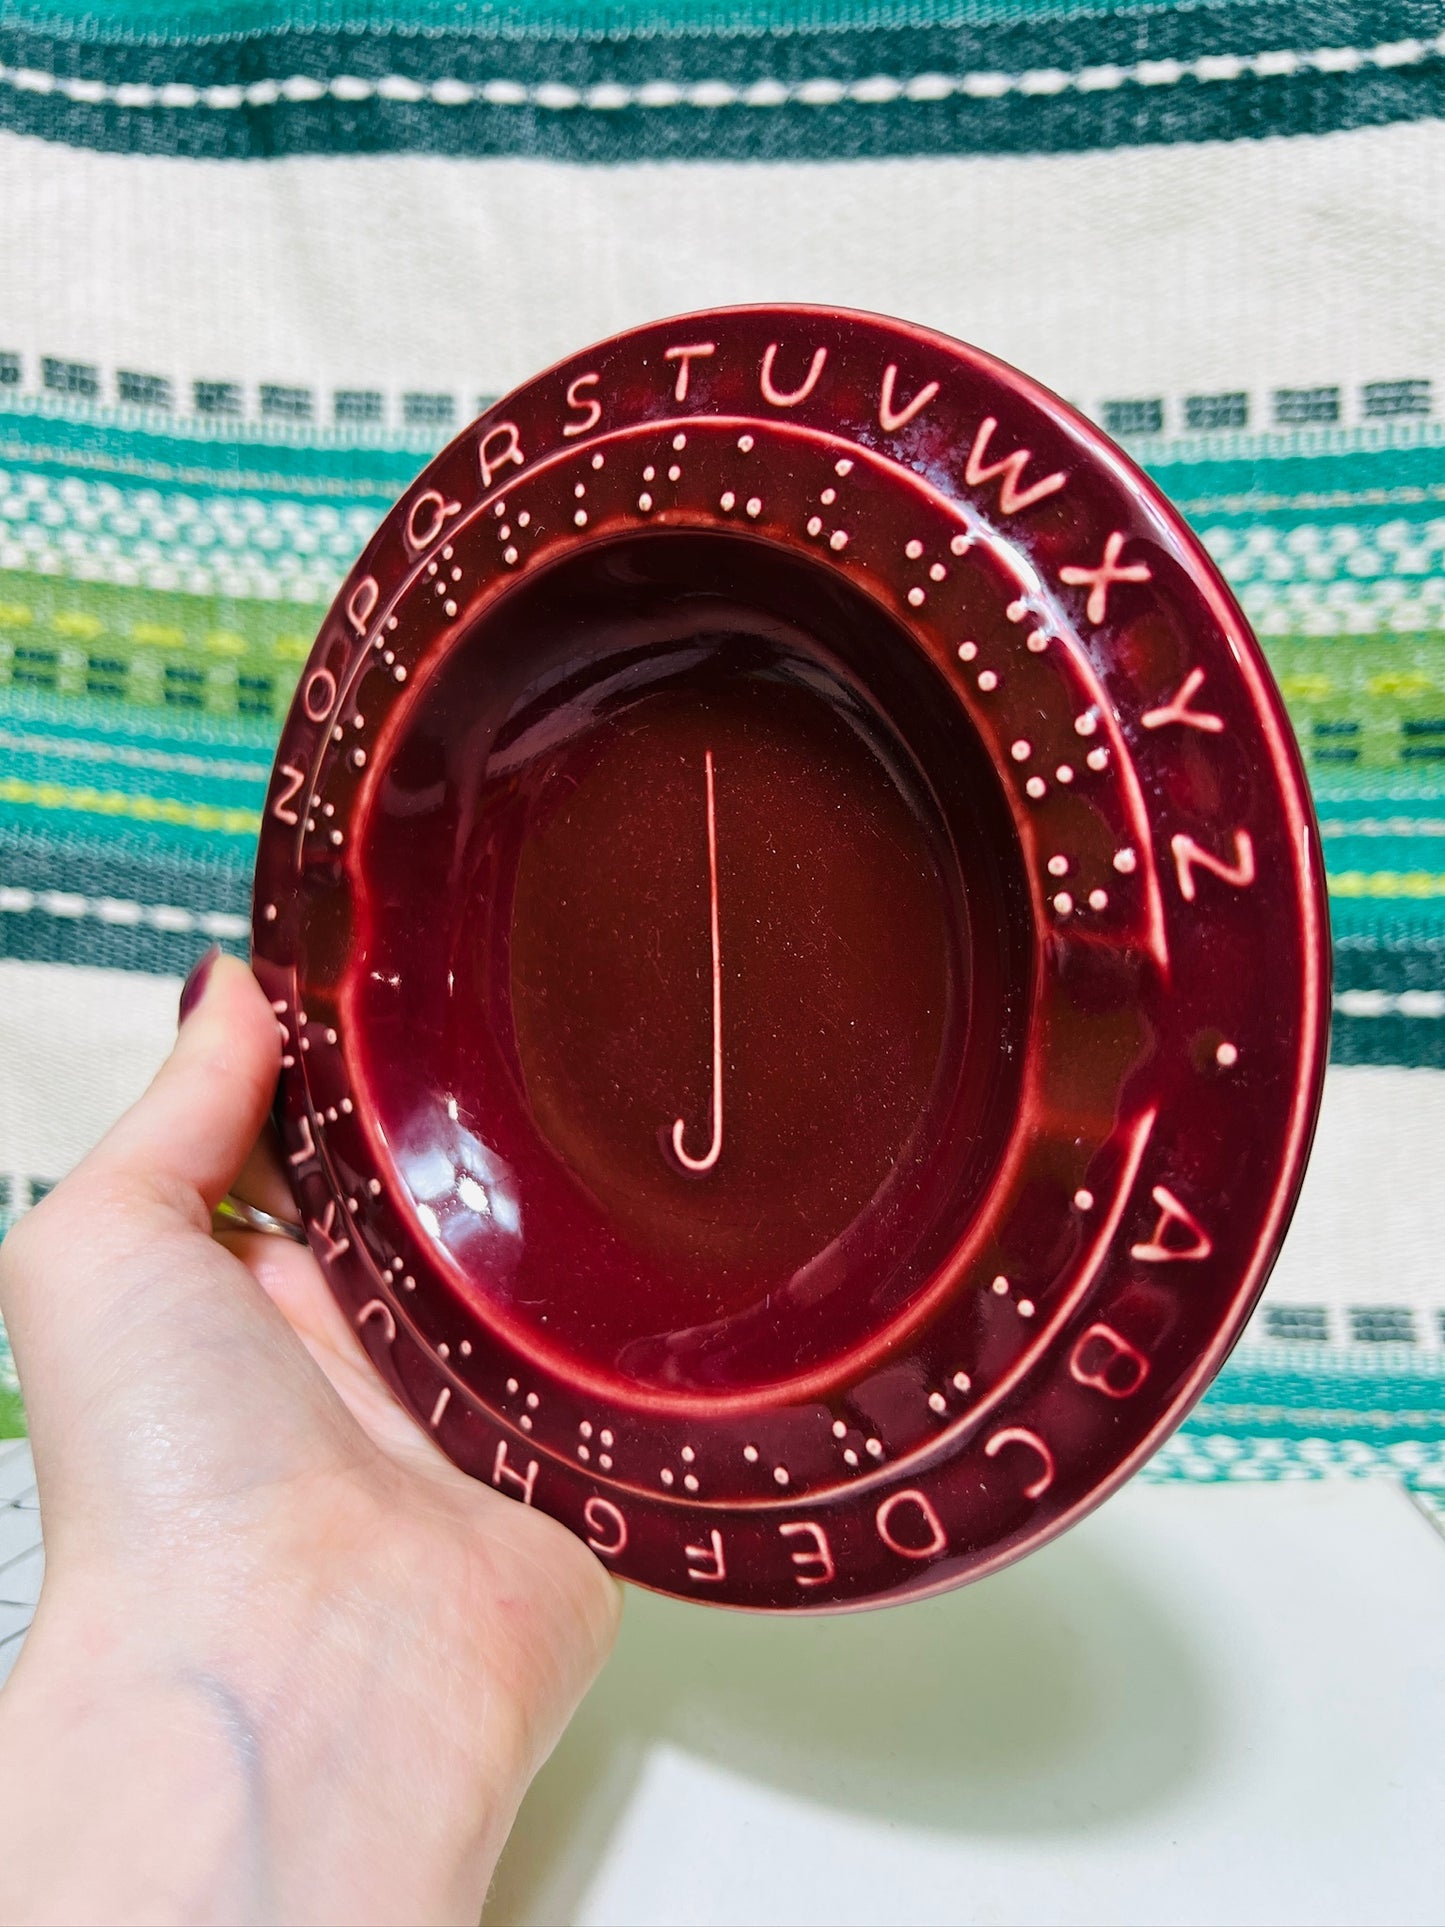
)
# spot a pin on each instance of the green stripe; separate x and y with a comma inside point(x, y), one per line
point(1150, 109)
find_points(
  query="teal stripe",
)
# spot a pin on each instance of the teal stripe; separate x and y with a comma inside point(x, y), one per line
point(353, 116)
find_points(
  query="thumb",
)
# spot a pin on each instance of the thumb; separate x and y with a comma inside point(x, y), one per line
point(186, 1139)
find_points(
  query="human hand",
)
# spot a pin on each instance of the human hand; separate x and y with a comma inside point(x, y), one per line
point(288, 1662)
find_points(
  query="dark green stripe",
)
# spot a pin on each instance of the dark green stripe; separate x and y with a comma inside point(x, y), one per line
point(1128, 115)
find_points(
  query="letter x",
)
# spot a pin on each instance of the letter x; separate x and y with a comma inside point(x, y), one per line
point(1099, 579)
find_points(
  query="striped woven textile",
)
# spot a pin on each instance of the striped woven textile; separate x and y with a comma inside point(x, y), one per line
point(257, 261)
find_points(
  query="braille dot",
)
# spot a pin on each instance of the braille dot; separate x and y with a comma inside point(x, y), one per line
point(579, 492)
point(750, 1453)
point(1036, 787)
point(1086, 724)
point(850, 1457)
point(666, 1475)
point(583, 1453)
point(337, 838)
point(305, 1043)
point(1098, 899)
point(1084, 1199)
point(504, 531)
point(874, 1448)
point(465, 1348)
point(1063, 903)
point(649, 475)
point(346, 1105)
point(915, 597)
point(674, 474)
point(1026, 1308)
point(679, 442)
point(727, 502)
point(962, 1382)
point(1124, 861)
point(1000, 1285)
point(533, 1400)
point(332, 1114)
point(845, 467)
point(585, 1428)
point(913, 550)
point(526, 1423)
point(754, 505)
point(780, 1474)
point(408, 1283)
point(644, 502)
point(450, 606)
point(605, 1461)
point(358, 722)
point(287, 1061)
point(444, 1351)
point(336, 733)
point(960, 544)
point(938, 572)
point(1016, 611)
point(511, 1384)
point(597, 461)
point(687, 1455)
point(967, 651)
point(1227, 1055)
point(1058, 866)
point(828, 497)
point(509, 556)
point(1097, 758)
point(269, 913)
point(1021, 751)
point(815, 525)
point(838, 540)
point(374, 1187)
point(358, 756)
point(987, 680)
point(937, 1402)
point(431, 568)
point(500, 508)
point(606, 1436)
point(580, 518)
point(745, 443)
point(1037, 641)
point(399, 673)
point(1064, 773)
point(522, 521)
point(690, 1481)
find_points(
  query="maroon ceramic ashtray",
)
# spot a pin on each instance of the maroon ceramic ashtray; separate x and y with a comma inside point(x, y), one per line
point(801, 943)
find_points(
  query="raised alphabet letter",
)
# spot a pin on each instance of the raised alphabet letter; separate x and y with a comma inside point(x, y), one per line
point(891, 419)
point(318, 694)
point(1105, 1360)
point(589, 404)
point(932, 1526)
point(605, 1518)
point(281, 809)
point(378, 1309)
point(361, 603)
point(1187, 853)
point(810, 380)
point(820, 1554)
point(327, 1227)
point(510, 450)
point(524, 1481)
point(1011, 498)
point(1018, 1435)
point(713, 1569)
point(308, 1144)
point(683, 356)
point(1171, 1213)
point(1177, 709)
point(428, 516)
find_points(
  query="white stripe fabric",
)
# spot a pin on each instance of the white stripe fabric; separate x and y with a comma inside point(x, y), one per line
point(1143, 270)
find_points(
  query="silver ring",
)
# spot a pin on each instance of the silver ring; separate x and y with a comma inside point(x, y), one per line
point(234, 1214)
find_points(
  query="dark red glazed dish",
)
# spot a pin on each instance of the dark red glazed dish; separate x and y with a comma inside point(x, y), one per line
point(801, 943)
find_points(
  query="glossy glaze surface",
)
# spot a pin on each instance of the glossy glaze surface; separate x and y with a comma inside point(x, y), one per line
point(801, 946)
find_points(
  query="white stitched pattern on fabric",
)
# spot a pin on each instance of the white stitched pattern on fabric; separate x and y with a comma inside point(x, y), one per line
point(822, 91)
point(1384, 1003)
point(120, 910)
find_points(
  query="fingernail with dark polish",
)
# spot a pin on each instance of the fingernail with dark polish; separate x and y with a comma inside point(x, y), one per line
point(194, 988)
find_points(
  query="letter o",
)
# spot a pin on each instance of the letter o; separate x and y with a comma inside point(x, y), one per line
point(318, 694)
